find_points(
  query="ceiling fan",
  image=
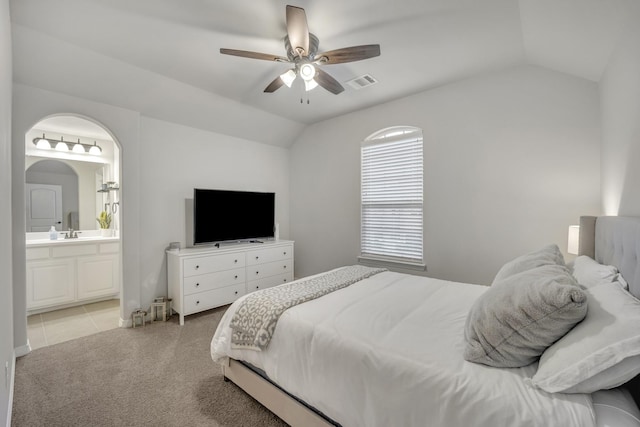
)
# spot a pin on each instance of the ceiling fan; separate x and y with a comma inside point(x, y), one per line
point(302, 51)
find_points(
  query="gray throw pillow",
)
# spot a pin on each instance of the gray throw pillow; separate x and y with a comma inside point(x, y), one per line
point(548, 255)
point(512, 323)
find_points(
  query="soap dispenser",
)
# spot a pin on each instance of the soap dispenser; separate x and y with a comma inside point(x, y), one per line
point(53, 233)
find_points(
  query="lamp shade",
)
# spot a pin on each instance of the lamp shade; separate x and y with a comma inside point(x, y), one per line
point(288, 77)
point(43, 144)
point(573, 245)
point(95, 150)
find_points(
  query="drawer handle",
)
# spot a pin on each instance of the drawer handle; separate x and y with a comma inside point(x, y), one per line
point(197, 267)
point(197, 302)
point(197, 284)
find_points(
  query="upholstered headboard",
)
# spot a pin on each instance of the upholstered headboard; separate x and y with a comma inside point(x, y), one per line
point(614, 240)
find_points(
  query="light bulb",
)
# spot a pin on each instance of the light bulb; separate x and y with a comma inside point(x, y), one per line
point(288, 77)
point(78, 148)
point(62, 146)
point(307, 71)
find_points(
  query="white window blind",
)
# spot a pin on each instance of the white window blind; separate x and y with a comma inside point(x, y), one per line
point(392, 197)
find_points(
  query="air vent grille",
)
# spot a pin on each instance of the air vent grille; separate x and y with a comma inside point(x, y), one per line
point(362, 81)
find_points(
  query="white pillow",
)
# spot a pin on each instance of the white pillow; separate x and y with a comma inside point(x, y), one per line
point(601, 352)
point(548, 255)
point(589, 272)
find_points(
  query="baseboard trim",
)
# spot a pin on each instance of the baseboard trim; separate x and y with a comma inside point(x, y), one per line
point(124, 323)
point(11, 384)
point(23, 350)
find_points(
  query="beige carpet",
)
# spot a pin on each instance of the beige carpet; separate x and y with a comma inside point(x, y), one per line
point(159, 375)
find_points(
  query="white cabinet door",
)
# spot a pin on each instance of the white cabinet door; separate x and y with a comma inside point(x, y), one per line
point(97, 276)
point(50, 283)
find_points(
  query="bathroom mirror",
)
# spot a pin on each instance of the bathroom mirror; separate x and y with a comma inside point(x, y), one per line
point(63, 193)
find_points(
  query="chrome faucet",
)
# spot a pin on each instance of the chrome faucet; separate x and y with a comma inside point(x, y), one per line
point(71, 234)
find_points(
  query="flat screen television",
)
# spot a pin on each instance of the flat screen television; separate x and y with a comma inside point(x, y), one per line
point(224, 215)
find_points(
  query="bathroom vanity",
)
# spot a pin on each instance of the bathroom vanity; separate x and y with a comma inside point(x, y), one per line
point(66, 272)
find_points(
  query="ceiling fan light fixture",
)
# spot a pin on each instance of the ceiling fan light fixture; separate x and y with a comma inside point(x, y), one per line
point(288, 77)
point(307, 71)
point(310, 85)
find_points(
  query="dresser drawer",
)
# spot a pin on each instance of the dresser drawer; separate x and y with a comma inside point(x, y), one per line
point(195, 303)
point(261, 256)
point(269, 269)
point(207, 282)
point(212, 264)
point(269, 282)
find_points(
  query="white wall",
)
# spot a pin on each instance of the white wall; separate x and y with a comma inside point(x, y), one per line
point(511, 160)
point(6, 299)
point(176, 159)
point(620, 97)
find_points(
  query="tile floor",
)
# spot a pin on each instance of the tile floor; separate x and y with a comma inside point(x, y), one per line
point(58, 326)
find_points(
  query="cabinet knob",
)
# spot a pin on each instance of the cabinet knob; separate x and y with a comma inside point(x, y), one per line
point(236, 276)
point(235, 260)
point(236, 292)
point(197, 267)
point(197, 284)
point(284, 266)
point(257, 287)
point(284, 253)
point(285, 280)
point(257, 272)
point(197, 302)
point(257, 257)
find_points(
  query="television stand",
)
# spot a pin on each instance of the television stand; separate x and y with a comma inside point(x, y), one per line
point(202, 278)
point(239, 242)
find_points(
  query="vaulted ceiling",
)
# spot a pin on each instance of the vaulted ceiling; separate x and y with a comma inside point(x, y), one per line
point(424, 44)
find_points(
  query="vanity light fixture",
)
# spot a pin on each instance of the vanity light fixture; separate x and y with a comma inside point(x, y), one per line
point(62, 146)
point(78, 148)
point(94, 149)
point(45, 143)
point(42, 143)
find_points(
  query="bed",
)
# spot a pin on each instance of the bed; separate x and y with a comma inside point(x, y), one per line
point(390, 349)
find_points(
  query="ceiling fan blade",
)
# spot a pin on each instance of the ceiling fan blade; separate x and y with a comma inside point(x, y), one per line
point(297, 30)
point(328, 82)
point(274, 85)
point(254, 55)
point(349, 54)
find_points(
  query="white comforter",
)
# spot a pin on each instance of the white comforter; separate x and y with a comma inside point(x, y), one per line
point(387, 351)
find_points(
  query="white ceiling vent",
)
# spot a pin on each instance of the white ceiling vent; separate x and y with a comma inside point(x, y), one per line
point(362, 81)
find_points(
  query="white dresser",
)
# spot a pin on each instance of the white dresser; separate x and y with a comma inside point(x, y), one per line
point(203, 278)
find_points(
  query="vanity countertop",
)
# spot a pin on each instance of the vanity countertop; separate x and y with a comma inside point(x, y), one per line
point(63, 241)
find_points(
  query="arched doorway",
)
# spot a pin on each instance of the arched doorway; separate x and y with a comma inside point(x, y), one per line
point(76, 279)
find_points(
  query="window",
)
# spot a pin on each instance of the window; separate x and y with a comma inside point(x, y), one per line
point(392, 196)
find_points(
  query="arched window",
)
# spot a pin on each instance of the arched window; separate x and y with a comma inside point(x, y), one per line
point(392, 196)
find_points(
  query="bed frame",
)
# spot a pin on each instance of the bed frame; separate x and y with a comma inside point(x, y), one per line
point(609, 240)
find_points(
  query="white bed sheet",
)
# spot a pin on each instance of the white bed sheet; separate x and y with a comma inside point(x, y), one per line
point(388, 351)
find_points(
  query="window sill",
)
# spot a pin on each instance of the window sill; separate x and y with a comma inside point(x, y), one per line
point(390, 262)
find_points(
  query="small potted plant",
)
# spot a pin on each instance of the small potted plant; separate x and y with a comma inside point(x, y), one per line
point(105, 222)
